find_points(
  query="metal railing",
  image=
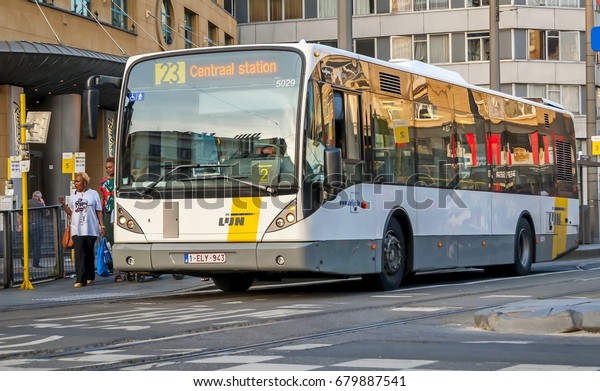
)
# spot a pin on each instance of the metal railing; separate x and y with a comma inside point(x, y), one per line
point(46, 226)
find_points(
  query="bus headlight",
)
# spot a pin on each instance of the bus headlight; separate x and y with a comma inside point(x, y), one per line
point(125, 221)
point(285, 218)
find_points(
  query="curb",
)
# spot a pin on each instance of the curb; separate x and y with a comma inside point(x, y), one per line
point(542, 316)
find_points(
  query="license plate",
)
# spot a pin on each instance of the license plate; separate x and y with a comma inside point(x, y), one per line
point(204, 258)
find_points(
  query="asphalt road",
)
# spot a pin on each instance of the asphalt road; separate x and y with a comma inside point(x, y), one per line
point(321, 326)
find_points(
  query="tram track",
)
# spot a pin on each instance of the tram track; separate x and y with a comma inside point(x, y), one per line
point(203, 331)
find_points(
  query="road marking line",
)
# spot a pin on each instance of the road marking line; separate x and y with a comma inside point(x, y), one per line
point(231, 359)
point(500, 342)
point(423, 309)
point(35, 342)
point(302, 347)
point(547, 367)
point(384, 363)
point(272, 367)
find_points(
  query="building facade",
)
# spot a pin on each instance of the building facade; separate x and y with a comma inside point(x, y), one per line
point(48, 49)
point(542, 45)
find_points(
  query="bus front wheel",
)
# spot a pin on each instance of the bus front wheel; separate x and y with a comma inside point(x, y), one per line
point(393, 260)
point(524, 248)
point(233, 282)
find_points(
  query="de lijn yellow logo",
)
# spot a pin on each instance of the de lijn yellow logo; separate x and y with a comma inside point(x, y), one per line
point(169, 73)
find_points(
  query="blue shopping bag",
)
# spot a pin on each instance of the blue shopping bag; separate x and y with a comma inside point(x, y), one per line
point(103, 258)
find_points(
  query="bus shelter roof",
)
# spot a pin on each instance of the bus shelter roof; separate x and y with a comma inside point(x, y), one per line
point(45, 69)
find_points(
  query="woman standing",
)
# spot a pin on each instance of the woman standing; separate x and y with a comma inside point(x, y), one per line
point(85, 210)
point(107, 191)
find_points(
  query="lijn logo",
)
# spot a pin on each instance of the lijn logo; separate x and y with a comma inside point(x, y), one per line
point(230, 221)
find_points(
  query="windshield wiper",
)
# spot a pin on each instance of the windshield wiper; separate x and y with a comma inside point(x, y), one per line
point(152, 185)
point(268, 189)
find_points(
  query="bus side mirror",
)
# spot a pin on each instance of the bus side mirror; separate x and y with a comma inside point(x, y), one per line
point(91, 99)
point(334, 179)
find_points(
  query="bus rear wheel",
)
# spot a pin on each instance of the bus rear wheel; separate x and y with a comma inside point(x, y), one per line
point(524, 249)
point(233, 282)
point(393, 260)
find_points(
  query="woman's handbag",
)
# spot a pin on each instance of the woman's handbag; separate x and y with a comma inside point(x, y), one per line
point(67, 239)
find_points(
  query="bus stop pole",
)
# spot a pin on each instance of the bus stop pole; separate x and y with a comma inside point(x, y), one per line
point(26, 282)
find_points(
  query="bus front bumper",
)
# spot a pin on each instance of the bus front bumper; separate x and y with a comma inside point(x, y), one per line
point(332, 257)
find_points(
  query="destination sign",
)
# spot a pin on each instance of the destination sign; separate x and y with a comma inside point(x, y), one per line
point(178, 72)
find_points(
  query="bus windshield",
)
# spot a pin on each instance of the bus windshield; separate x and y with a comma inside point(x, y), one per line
point(211, 122)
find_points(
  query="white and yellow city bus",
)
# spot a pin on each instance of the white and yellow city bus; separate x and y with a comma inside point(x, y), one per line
point(261, 161)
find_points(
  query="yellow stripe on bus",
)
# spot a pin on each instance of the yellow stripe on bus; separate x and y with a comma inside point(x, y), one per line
point(245, 213)
point(559, 241)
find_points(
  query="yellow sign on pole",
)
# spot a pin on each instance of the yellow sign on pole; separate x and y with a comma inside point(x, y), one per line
point(68, 163)
point(595, 145)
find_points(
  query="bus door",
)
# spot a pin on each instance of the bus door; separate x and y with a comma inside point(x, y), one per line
point(347, 135)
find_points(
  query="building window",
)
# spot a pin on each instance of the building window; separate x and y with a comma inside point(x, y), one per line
point(554, 45)
point(439, 49)
point(228, 6)
point(229, 39)
point(420, 5)
point(213, 35)
point(420, 48)
point(327, 8)
point(439, 4)
point(478, 3)
point(424, 5)
point(166, 21)
point(434, 49)
point(554, 3)
point(567, 95)
point(365, 46)
point(273, 10)
point(402, 48)
point(292, 9)
point(259, 11)
point(190, 32)
point(119, 13)
point(478, 46)
point(364, 7)
point(570, 98)
point(331, 43)
point(401, 5)
point(81, 7)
